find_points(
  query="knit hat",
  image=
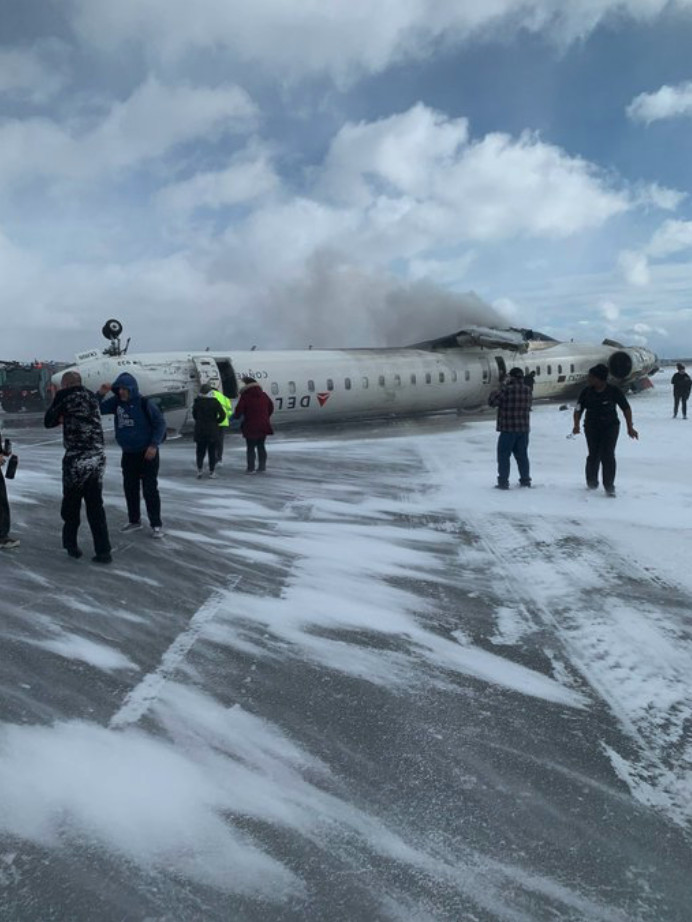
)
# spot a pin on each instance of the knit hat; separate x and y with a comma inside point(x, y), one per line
point(205, 389)
point(516, 373)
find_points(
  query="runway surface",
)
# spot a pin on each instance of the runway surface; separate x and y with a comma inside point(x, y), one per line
point(365, 686)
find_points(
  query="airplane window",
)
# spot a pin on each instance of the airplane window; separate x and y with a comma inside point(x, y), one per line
point(538, 370)
point(166, 402)
point(380, 380)
point(347, 384)
point(559, 369)
point(330, 384)
point(275, 388)
point(311, 385)
point(549, 369)
point(428, 377)
point(365, 382)
point(526, 370)
point(571, 369)
point(485, 374)
point(454, 376)
point(467, 375)
point(397, 380)
point(442, 377)
point(413, 379)
point(291, 387)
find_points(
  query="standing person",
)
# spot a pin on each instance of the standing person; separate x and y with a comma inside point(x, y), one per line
point(208, 415)
point(600, 400)
point(513, 402)
point(6, 542)
point(223, 426)
point(139, 430)
point(682, 384)
point(83, 464)
point(255, 407)
point(530, 380)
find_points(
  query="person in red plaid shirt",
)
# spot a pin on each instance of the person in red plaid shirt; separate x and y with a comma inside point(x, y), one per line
point(513, 402)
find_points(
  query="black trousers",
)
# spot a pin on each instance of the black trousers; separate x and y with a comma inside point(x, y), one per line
point(219, 442)
point(140, 477)
point(203, 447)
point(677, 400)
point(4, 510)
point(257, 445)
point(601, 441)
point(91, 491)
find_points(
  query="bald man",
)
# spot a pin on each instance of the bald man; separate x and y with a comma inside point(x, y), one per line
point(83, 465)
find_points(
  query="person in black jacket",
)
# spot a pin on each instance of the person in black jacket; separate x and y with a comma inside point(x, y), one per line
point(600, 400)
point(6, 541)
point(682, 385)
point(83, 465)
point(208, 414)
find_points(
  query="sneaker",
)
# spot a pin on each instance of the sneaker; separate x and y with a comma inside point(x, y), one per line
point(219, 463)
point(502, 486)
point(250, 472)
point(157, 531)
point(102, 558)
point(610, 491)
point(592, 485)
point(131, 526)
point(75, 552)
point(8, 543)
point(199, 475)
point(524, 483)
point(212, 475)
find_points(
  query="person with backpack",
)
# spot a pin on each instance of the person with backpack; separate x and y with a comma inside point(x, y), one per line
point(227, 408)
point(139, 430)
point(208, 415)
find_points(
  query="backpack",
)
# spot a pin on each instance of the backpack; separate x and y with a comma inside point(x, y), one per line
point(145, 407)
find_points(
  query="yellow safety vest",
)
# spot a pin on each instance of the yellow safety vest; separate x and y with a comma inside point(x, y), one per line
point(226, 404)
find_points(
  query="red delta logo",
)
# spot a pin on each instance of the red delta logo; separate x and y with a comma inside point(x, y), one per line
point(323, 397)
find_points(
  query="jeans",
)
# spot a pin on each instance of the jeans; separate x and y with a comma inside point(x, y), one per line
point(677, 400)
point(601, 441)
point(137, 470)
point(219, 442)
point(4, 510)
point(72, 495)
point(258, 444)
point(205, 446)
point(517, 444)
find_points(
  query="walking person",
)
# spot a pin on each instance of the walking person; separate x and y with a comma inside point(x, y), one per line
point(208, 415)
point(255, 408)
point(227, 407)
point(139, 430)
point(600, 401)
point(83, 464)
point(513, 402)
point(7, 542)
point(682, 385)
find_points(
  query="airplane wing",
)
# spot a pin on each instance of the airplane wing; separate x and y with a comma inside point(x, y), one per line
point(512, 340)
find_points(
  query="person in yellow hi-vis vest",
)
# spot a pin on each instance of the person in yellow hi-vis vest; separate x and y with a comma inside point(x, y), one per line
point(223, 426)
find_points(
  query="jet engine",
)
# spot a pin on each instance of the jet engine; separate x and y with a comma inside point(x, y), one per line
point(628, 365)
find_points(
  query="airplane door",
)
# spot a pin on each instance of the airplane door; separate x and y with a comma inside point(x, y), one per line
point(206, 368)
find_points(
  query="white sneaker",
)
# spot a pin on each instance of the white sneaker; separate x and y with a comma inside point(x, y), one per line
point(199, 475)
point(131, 526)
point(212, 475)
point(157, 531)
point(219, 463)
point(8, 543)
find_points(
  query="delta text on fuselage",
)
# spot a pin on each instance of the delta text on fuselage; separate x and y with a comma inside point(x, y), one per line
point(457, 372)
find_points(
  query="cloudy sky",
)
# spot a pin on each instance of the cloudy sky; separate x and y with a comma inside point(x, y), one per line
point(343, 172)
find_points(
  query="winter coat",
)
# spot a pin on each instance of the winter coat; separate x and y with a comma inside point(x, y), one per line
point(226, 404)
point(682, 384)
point(78, 411)
point(255, 407)
point(208, 415)
point(139, 423)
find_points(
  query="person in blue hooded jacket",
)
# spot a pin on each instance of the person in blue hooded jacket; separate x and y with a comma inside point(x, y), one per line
point(139, 430)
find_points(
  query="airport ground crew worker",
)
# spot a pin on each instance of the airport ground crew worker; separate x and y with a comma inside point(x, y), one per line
point(600, 401)
point(223, 426)
point(6, 542)
point(139, 430)
point(83, 464)
point(255, 409)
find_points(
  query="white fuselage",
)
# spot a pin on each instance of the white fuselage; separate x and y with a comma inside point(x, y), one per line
point(318, 385)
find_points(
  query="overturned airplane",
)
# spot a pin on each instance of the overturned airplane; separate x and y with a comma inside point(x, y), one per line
point(455, 372)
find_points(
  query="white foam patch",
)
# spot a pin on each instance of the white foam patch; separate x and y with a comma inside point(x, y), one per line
point(71, 646)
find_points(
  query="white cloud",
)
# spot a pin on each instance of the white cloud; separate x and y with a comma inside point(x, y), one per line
point(149, 123)
point(670, 238)
point(610, 311)
point(297, 38)
point(634, 267)
point(249, 176)
point(31, 74)
point(667, 102)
